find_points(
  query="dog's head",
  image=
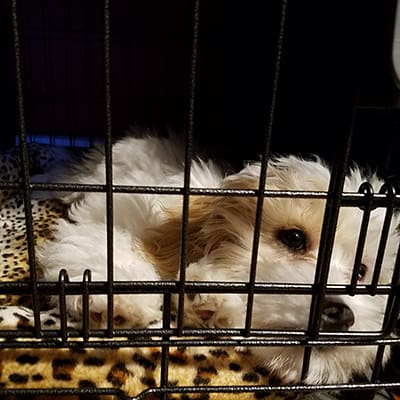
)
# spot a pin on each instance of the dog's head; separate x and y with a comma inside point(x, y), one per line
point(290, 242)
point(220, 243)
point(288, 251)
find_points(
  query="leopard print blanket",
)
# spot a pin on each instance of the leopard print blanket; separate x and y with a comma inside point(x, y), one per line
point(128, 371)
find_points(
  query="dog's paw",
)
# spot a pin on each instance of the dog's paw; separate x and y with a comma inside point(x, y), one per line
point(129, 311)
point(214, 310)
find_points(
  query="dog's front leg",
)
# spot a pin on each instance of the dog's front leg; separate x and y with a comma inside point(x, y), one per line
point(78, 247)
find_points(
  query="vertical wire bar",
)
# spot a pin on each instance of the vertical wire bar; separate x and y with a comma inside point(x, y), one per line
point(49, 68)
point(109, 173)
point(378, 363)
point(188, 163)
point(88, 88)
point(393, 302)
point(68, 70)
point(25, 170)
point(390, 195)
point(165, 347)
point(63, 281)
point(392, 312)
point(87, 277)
point(332, 208)
point(264, 165)
point(365, 188)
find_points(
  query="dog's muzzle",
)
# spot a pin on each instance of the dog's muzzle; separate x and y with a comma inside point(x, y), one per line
point(336, 316)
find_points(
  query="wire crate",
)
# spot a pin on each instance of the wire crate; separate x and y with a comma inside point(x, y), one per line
point(241, 82)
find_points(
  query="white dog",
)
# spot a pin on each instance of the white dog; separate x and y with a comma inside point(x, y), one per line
point(147, 229)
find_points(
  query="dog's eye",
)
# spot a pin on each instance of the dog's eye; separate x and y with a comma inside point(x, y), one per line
point(295, 239)
point(362, 272)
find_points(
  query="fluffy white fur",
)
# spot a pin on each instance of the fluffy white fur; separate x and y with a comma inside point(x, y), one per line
point(147, 241)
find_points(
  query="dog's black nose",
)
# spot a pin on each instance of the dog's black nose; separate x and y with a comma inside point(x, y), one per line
point(336, 317)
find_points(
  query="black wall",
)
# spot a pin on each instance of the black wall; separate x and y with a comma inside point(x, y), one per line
point(336, 56)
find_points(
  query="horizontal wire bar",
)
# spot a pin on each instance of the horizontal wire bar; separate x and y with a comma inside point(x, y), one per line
point(268, 388)
point(19, 393)
point(96, 341)
point(141, 287)
point(203, 389)
point(347, 199)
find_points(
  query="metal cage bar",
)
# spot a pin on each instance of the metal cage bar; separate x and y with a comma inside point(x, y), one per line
point(109, 171)
point(327, 238)
point(390, 192)
point(188, 162)
point(264, 166)
point(25, 169)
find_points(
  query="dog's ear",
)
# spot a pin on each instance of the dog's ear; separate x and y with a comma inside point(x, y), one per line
point(162, 245)
point(212, 221)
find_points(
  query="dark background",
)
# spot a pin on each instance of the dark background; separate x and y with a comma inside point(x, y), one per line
point(336, 59)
